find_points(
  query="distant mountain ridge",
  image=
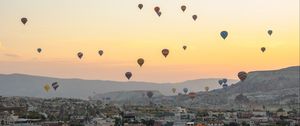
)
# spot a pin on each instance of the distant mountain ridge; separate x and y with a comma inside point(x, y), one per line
point(32, 86)
point(261, 87)
point(264, 81)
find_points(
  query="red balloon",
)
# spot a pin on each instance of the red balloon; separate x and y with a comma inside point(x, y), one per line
point(80, 55)
point(128, 75)
point(156, 9)
point(242, 75)
point(165, 52)
point(192, 95)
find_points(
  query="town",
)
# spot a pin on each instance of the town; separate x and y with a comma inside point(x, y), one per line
point(23, 111)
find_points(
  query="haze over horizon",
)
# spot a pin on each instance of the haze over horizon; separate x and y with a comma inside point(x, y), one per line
point(125, 33)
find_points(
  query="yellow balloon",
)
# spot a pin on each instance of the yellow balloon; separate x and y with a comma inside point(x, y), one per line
point(173, 90)
point(206, 89)
point(46, 87)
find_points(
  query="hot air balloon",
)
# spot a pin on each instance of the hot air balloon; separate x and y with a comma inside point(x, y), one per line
point(140, 61)
point(159, 14)
point(80, 55)
point(55, 85)
point(263, 49)
point(242, 75)
point(100, 52)
point(224, 80)
point(156, 9)
point(39, 50)
point(225, 85)
point(206, 88)
point(270, 32)
point(183, 8)
point(173, 90)
point(140, 6)
point(195, 17)
point(149, 94)
point(224, 34)
point(165, 52)
point(128, 75)
point(24, 20)
point(185, 90)
point(192, 95)
point(220, 82)
point(184, 47)
point(46, 87)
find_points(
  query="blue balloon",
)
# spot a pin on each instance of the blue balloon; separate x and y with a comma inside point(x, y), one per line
point(220, 82)
point(224, 34)
point(185, 90)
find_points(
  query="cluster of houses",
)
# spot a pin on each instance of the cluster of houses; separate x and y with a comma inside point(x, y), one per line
point(67, 111)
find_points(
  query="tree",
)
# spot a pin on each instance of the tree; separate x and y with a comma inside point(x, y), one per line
point(245, 124)
point(118, 122)
point(2, 122)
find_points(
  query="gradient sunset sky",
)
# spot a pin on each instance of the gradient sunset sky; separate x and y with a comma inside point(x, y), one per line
point(64, 27)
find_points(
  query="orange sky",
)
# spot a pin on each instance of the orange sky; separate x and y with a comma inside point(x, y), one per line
point(64, 27)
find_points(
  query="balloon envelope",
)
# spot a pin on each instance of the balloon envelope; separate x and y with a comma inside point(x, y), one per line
point(39, 50)
point(46, 87)
point(159, 14)
point(185, 90)
point(80, 55)
point(128, 75)
point(173, 90)
point(140, 6)
point(220, 82)
point(195, 17)
point(270, 32)
point(224, 80)
point(206, 88)
point(224, 34)
point(149, 94)
point(192, 95)
point(263, 49)
point(100, 52)
point(242, 75)
point(140, 61)
point(55, 85)
point(156, 9)
point(24, 20)
point(183, 8)
point(184, 47)
point(165, 52)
